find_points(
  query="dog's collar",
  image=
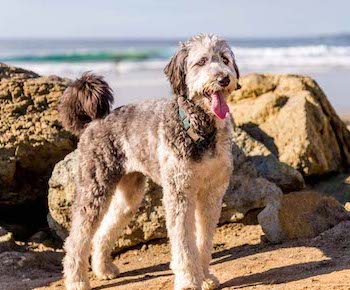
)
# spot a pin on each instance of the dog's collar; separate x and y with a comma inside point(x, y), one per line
point(186, 124)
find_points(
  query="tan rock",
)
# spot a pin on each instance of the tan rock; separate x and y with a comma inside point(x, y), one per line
point(302, 214)
point(292, 117)
point(347, 206)
point(32, 140)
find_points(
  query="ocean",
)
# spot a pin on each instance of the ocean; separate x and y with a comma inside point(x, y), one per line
point(134, 68)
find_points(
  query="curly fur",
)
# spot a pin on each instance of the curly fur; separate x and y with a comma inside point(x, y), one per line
point(86, 99)
point(116, 152)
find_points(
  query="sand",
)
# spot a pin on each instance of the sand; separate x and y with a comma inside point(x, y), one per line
point(243, 259)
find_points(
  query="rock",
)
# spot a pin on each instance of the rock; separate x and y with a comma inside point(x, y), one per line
point(269, 221)
point(345, 118)
point(267, 164)
point(32, 140)
point(7, 242)
point(247, 189)
point(18, 231)
point(61, 194)
point(337, 186)
point(347, 206)
point(283, 175)
point(303, 214)
point(38, 237)
point(292, 117)
point(2, 231)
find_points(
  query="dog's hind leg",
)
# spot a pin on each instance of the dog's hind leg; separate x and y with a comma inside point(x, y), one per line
point(124, 204)
point(88, 210)
point(208, 209)
point(97, 181)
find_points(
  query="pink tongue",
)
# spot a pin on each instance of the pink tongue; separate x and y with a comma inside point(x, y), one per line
point(219, 106)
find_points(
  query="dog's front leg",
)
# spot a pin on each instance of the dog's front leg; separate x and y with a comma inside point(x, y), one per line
point(186, 265)
point(208, 209)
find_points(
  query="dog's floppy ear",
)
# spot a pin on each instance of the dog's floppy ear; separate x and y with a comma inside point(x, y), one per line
point(237, 72)
point(235, 66)
point(175, 70)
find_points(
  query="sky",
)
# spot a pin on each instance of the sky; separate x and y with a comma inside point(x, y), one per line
point(171, 19)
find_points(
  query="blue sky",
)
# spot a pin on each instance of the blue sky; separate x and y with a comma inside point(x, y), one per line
point(172, 19)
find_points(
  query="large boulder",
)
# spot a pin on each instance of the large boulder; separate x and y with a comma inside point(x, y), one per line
point(292, 117)
point(32, 140)
point(248, 190)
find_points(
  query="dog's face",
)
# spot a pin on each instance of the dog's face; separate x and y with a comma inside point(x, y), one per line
point(204, 69)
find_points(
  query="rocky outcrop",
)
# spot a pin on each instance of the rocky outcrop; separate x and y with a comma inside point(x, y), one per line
point(303, 214)
point(31, 138)
point(248, 190)
point(292, 117)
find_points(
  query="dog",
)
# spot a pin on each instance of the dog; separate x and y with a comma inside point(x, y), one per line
point(183, 144)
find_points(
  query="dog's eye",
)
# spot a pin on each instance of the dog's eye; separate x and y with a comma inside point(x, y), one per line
point(202, 61)
point(225, 60)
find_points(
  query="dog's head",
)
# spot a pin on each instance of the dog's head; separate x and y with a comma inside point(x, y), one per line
point(204, 70)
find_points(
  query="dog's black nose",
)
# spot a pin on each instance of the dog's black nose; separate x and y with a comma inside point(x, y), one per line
point(224, 81)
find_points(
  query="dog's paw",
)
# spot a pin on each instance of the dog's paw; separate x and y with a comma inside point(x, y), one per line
point(78, 286)
point(210, 283)
point(107, 272)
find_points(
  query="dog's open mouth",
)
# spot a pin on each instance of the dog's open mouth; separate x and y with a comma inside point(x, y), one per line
point(218, 104)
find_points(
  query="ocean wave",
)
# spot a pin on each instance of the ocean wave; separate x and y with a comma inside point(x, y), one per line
point(85, 56)
point(292, 58)
point(73, 70)
point(318, 55)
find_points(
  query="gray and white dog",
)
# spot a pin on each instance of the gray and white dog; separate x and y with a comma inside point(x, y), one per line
point(183, 144)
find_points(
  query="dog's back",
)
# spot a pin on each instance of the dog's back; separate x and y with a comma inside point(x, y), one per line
point(129, 132)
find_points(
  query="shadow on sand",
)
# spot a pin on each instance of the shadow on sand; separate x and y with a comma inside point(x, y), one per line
point(333, 244)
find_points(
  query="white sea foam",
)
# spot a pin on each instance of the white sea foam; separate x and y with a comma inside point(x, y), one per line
point(282, 59)
point(311, 56)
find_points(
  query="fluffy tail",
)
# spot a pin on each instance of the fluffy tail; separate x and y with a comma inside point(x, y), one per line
point(86, 99)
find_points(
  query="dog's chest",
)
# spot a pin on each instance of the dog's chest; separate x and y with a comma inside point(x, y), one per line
point(213, 171)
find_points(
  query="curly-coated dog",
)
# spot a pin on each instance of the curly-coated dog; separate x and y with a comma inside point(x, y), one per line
point(183, 144)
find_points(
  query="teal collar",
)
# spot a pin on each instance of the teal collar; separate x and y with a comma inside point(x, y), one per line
point(186, 124)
